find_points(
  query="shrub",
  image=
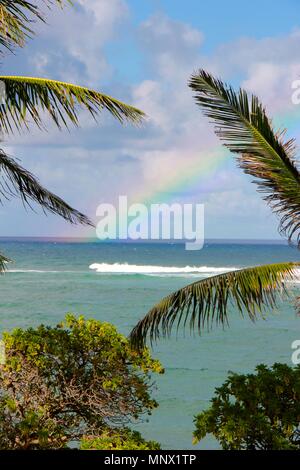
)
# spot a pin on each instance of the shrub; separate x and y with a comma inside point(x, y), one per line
point(258, 411)
point(78, 378)
point(122, 439)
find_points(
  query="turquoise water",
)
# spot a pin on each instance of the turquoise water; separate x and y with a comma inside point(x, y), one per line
point(48, 279)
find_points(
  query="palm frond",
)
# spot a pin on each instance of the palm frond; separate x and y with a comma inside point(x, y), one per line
point(16, 181)
point(242, 124)
point(12, 32)
point(206, 301)
point(29, 97)
point(16, 18)
point(3, 263)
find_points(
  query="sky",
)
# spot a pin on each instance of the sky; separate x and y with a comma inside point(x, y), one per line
point(143, 52)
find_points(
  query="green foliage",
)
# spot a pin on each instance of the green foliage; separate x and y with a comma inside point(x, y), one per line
point(258, 411)
point(28, 429)
point(3, 262)
point(78, 378)
point(31, 97)
point(122, 439)
point(20, 182)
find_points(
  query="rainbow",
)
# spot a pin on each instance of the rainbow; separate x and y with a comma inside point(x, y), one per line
point(200, 174)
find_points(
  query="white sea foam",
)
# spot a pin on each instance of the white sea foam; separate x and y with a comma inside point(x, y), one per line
point(124, 268)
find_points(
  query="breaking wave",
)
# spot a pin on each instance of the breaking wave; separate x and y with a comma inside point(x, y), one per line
point(124, 268)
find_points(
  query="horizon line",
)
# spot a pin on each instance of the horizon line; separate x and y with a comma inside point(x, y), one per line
point(129, 241)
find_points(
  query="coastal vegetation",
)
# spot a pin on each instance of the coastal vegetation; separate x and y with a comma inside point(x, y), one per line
point(259, 411)
point(124, 439)
point(78, 381)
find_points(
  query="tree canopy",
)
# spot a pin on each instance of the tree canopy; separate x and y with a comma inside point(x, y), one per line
point(80, 378)
point(259, 411)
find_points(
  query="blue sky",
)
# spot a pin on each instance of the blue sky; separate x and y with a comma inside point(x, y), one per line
point(143, 52)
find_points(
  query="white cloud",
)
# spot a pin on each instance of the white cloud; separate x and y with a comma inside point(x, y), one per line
point(70, 45)
point(268, 66)
point(107, 13)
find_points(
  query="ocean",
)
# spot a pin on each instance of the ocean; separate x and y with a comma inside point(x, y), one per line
point(50, 278)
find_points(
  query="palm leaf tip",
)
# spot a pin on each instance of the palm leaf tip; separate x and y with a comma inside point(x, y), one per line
point(16, 181)
point(30, 97)
point(16, 18)
point(244, 128)
point(206, 301)
point(3, 263)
